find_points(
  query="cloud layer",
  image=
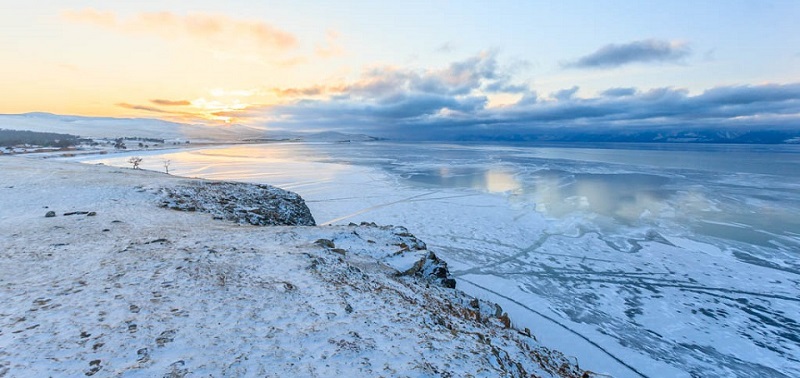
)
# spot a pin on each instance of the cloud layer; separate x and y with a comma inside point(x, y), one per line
point(651, 50)
point(163, 102)
point(211, 29)
point(452, 103)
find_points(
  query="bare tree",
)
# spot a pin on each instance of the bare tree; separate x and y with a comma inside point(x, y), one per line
point(135, 160)
point(166, 165)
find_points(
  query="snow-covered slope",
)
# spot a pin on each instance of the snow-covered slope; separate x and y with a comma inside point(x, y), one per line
point(124, 287)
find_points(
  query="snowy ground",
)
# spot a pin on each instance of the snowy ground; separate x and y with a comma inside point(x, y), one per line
point(123, 287)
point(641, 263)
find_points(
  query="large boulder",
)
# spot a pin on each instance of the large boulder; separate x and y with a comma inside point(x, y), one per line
point(256, 204)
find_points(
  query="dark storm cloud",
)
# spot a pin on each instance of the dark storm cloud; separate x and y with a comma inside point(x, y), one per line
point(665, 106)
point(618, 92)
point(651, 50)
point(451, 103)
point(747, 94)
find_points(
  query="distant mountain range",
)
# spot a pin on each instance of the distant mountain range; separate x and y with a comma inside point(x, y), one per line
point(721, 135)
point(107, 127)
point(324, 136)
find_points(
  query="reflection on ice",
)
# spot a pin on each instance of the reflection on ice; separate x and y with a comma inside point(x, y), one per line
point(492, 180)
point(625, 198)
point(622, 197)
point(499, 182)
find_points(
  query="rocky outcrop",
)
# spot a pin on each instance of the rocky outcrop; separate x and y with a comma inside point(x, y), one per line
point(406, 267)
point(434, 269)
point(256, 204)
point(393, 246)
point(428, 266)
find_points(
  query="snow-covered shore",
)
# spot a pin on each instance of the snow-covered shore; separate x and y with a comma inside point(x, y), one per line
point(124, 286)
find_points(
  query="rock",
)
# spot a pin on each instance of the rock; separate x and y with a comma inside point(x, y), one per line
point(498, 311)
point(432, 268)
point(76, 213)
point(325, 243)
point(256, 204)
point(505, 320)
point(50, 214)
point(449, 283)
point(440, 271)
point(407, 240)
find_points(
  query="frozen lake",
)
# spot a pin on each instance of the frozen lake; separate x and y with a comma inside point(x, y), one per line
point(638, 260)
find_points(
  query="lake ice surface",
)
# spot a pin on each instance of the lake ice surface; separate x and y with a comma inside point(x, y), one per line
point(637, 260)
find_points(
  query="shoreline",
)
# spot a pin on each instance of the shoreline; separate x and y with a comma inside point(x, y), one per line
point(78, 153)
point(128, 194)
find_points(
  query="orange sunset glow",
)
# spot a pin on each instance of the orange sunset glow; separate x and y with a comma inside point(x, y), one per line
point(362, 65)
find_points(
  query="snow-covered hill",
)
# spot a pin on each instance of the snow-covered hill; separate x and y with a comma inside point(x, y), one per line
point(97, 278)
point(107, 127)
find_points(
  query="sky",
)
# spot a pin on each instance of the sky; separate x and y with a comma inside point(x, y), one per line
point(431, 67)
